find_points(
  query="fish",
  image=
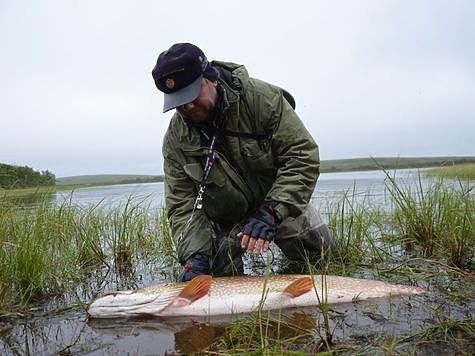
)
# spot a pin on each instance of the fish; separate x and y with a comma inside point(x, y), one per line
point(208, 296)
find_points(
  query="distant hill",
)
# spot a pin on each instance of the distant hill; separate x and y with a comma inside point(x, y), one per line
point(327, 166)
point(108, 179)
point(376, 163)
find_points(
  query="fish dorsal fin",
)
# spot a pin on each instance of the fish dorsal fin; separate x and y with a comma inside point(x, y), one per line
point(299, 287)
point(194, 290)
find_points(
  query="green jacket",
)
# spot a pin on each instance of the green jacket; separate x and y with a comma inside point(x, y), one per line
point(282, 165)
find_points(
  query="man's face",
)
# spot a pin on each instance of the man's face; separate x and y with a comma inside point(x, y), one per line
point(200, 109)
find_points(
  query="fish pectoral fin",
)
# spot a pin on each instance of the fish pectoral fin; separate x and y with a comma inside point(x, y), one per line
point(195, 289)
point(299, 287)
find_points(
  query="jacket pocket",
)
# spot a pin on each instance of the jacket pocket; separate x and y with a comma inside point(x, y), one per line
point(223, 200)
point(258, 157)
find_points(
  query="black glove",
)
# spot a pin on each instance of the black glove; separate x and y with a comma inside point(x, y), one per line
point(263, 223)
point(195, 266)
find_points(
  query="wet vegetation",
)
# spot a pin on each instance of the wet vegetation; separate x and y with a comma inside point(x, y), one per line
point(48, 250)
point(60, 256)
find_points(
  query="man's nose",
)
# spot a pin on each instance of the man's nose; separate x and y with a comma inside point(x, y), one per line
point(188, 106)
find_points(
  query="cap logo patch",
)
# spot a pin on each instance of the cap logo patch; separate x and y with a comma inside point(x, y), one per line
point(170, 83)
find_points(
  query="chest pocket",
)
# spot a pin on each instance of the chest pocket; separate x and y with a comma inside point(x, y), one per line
point(258, 155)
point(226, 197)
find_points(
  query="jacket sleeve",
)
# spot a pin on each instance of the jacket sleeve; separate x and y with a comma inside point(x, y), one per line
point(180, 195)
point(294, 150)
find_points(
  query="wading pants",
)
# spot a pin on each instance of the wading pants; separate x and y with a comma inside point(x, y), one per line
point(300, 239)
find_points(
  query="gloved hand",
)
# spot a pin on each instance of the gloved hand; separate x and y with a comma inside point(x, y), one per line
point(260, 229)
point(195, 266)
point(263, 223)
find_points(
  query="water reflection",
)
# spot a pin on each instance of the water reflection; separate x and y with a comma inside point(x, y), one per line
point(193, 334)
point(68, 332)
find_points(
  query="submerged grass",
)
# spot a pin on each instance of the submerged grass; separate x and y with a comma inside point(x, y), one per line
point(268, 334)
point(456, 337)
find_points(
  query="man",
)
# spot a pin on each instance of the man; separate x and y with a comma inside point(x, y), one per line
point(240, 167)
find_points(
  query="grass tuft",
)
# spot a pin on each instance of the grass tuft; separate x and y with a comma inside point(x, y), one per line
point(49, 249)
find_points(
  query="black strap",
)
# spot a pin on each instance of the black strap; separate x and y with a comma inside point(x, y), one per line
point(255, 136)
point(211, 131)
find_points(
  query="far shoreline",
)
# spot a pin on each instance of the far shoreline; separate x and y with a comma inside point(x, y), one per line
point(439, 164)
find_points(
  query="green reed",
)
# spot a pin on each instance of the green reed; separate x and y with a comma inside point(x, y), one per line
point(29, 253)
point(356, 223)
point(125, 233)
point(439, 218)
point(48, 249)
point(431, 218)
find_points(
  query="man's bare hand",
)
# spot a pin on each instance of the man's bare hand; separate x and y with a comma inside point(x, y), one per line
point(252, 244)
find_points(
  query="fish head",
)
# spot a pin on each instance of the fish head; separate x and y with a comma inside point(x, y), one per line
point(120, 304)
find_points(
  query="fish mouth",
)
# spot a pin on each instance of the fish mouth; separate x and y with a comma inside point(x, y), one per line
point(121, 303)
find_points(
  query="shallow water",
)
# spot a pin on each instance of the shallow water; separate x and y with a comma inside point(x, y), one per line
point(351, 323)
point(60, 325)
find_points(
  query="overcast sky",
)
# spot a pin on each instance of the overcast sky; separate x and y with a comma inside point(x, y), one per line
point(371, 78)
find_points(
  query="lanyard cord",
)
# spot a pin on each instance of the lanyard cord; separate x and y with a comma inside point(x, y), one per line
point(198, 205)
point(208, 165)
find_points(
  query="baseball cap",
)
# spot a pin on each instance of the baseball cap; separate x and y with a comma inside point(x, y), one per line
point(178, 74)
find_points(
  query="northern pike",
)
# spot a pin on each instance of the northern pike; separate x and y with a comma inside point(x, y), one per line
point(207, 296)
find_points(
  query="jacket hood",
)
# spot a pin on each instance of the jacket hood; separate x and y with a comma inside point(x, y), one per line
point(240, 76)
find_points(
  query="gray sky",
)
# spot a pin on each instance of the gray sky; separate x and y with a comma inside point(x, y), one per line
point(371, 78)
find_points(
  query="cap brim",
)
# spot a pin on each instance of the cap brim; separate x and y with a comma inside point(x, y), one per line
point(183, 96)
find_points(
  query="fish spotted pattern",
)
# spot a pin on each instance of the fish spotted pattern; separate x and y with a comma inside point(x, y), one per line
point(206, 296)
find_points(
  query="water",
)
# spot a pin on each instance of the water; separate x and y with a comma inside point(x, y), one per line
point(114, 195)
point(53, 330)
point(330, 188)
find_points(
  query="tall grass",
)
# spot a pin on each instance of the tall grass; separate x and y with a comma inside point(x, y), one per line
point(49, 249)
point(431, 218)
point(439, 218)
point(357, 224)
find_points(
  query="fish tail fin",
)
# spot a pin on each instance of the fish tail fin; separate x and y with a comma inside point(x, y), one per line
point(194, 290)
point(299, 287)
